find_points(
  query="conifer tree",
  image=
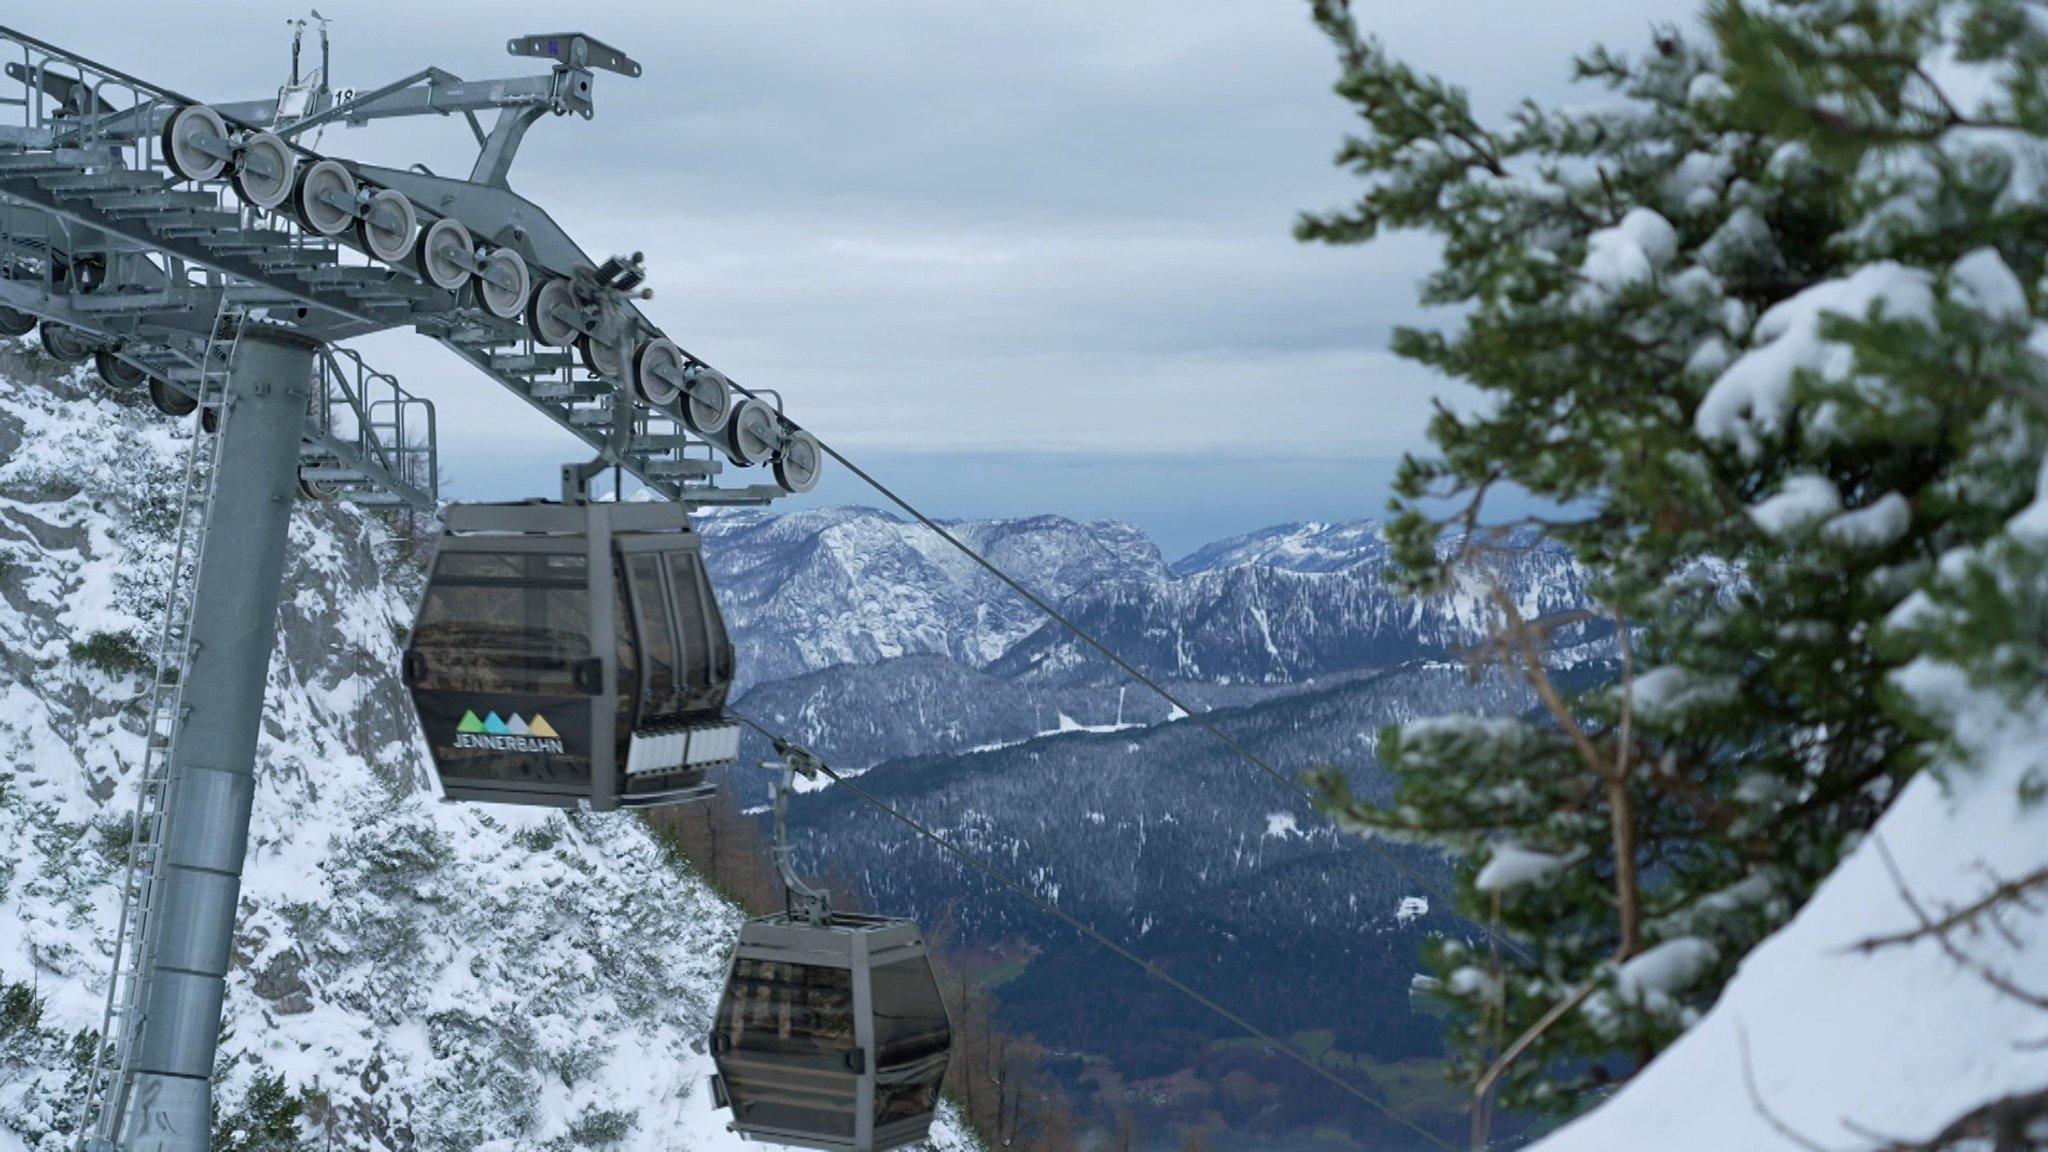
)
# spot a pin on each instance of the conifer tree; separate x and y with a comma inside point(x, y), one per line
point(1759, 325)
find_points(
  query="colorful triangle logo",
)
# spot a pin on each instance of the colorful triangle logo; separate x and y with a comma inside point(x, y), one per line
point(470, 723)
point(516, 726)
point(495, 726)
point(540, 727)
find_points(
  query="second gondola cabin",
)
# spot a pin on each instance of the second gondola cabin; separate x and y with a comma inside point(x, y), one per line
point(572, 653)
point(831, 1035)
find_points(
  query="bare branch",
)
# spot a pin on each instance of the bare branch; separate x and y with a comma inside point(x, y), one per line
point(1962, 959)
point(1557, 1012)
point(1490, 650)
point(1756, 1098)
point(2005, 1121)
point(1628, 690)
point(1621, 811)
point(2004, 891)
point(1482, 1110)
point(1527, 639)
point(1518, 633)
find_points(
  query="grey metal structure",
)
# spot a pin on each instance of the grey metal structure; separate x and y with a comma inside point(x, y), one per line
point(831, 1032)
point(136, 932)
point(183, 960)
point(208, 255)
point(572, 653)
point(128, 212)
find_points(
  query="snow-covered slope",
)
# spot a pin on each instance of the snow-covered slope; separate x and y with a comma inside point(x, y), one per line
point(1821, 1043)
point(433, 976)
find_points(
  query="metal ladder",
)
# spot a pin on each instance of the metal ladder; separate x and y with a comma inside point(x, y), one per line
point(105, 1106)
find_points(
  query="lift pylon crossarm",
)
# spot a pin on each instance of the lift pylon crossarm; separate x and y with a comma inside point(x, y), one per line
point(326, 244)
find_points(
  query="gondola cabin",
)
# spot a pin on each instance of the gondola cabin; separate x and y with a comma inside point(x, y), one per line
point(570, 653)
point(831, 1036)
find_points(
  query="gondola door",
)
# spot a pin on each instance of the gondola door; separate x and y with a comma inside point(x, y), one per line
point(685, 654)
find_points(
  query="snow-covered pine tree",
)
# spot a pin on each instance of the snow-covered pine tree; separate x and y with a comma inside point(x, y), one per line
point(1759, 325)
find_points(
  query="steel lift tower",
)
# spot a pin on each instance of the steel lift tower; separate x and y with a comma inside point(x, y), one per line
point(205, 253)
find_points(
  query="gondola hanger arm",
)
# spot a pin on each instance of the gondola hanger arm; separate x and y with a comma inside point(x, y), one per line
point(810, 905)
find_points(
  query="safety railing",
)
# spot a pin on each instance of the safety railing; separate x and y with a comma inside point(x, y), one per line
point(375, 425)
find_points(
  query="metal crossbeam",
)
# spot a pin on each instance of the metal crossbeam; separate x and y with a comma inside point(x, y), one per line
point(83, 178)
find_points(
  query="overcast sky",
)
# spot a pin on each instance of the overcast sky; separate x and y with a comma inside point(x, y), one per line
point(1023, 257)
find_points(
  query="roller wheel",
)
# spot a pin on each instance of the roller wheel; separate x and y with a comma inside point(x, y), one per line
point(502, 284)
point(798, 464)
point(209, 418)
point(14, 323)
point(118, 374)
point(169, 400)
point(264, 171)
point(445, 254)
point(316, 490)
point(658, 371)
point(180, 140)
point(553, 296)
point(709, 403)
point(324, 198)
point(386, 227)
point(604, 356)
point(65, 343)
point(753, 436)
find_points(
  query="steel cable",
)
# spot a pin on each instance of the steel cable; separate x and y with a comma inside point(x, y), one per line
point(1200, 720)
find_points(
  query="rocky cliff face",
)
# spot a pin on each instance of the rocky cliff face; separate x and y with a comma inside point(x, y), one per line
point(422, 975)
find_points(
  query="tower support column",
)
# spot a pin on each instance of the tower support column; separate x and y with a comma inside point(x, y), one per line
point(212, 766)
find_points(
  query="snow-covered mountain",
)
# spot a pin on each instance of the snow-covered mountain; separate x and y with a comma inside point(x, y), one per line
point(812, 589)
point(1256, 624)
point(435, 976)
point(1308, 547)
point(852, 586)
point(428, 976)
